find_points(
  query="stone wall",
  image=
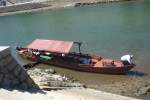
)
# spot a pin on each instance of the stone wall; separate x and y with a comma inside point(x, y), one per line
point(12, 74)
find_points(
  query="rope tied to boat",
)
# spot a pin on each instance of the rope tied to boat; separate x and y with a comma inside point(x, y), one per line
point(31, 65)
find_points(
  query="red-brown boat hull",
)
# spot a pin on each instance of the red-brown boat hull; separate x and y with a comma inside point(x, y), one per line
point(94, 68)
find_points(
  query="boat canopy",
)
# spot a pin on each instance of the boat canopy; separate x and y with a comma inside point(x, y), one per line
point(51, 45)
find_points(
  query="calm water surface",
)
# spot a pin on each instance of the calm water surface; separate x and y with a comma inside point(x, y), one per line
point(110, 30)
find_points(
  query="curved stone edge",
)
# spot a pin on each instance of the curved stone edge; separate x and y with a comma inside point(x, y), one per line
point(28, 7)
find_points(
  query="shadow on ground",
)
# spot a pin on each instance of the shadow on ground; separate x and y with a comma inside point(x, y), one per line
point(136, 73)
point(31, 90)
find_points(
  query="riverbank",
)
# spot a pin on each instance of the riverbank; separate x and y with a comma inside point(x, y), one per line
point(55, 87)
point(137, 86)
point(36, 5)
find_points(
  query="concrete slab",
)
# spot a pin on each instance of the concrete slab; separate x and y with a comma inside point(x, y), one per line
point(67, 94)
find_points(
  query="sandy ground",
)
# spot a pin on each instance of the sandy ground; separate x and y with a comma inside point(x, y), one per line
point(67, 94)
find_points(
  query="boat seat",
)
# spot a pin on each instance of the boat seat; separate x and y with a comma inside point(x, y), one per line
point(118, 63)
point(108, 62)
point(98, 64)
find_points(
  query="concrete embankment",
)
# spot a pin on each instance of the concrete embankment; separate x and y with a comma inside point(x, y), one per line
point(37, 5)
point(12, 75)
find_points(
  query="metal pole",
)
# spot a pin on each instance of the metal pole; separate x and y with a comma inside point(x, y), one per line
point(79, 46)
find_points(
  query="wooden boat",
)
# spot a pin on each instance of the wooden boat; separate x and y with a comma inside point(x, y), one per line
point(58, 53)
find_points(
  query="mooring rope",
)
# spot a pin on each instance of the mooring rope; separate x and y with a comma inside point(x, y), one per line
point(31, 65)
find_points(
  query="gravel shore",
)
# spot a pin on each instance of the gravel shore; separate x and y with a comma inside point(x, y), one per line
point(50, 79)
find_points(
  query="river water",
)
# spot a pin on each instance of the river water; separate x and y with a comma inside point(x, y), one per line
point(110, 30)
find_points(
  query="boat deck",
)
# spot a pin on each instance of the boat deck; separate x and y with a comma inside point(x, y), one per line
point(107, 62)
